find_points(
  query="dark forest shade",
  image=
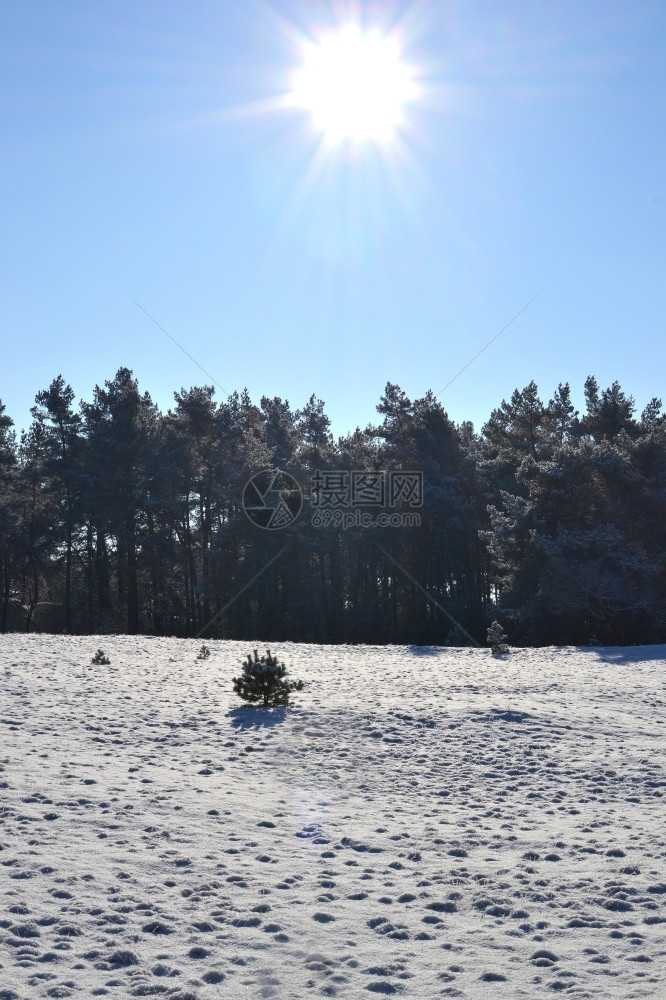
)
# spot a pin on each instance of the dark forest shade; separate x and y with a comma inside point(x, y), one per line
point(118, 518)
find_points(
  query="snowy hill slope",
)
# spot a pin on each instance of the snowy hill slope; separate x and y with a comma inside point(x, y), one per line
point(423, 822)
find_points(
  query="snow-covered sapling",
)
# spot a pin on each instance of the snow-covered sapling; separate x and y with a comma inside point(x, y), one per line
point(100, 657)
point(264, 680)
point(203, 653)
point(497, 640)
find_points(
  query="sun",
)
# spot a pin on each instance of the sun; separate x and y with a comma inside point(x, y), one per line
point(355, 85)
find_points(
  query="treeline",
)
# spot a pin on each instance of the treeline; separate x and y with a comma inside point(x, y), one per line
point(115, 517)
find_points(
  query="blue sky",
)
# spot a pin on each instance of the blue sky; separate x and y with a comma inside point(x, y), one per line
point(141, 157)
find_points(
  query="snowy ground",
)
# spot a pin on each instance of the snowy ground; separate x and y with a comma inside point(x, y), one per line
point(423, 822)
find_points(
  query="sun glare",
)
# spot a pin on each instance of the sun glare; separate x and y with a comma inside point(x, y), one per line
point(354, 85)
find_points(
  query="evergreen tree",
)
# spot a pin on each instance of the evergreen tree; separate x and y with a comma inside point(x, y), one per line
point(652, 416)
point(609, 413)
point(8, 473)
point(517, 428)
point(315, 434)
point(61, 466)
point(36, 510)
point(280, 429)
point(497, 640)
point(120, 431)
point(560, 418)
point(264, 680)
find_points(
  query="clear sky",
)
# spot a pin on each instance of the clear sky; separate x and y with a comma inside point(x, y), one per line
point(148, 150)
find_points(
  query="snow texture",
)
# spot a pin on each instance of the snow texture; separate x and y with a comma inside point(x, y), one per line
point(423, 822)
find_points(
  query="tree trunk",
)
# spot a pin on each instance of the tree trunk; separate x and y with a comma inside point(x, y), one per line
point(132, 581)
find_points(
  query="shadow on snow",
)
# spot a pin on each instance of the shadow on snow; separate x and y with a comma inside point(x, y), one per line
point(257, 716)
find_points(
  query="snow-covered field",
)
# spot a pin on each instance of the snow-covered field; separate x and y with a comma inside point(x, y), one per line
point(423, 822)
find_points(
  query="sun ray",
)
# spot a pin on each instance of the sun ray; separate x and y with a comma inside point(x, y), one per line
point(347, 126)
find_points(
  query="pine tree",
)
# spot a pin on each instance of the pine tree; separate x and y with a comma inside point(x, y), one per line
point(120, 430)
point(497, 640)
point(264, 680)
point(314, 429)
point(61, 467)
point(458, 636)
point(8, 466)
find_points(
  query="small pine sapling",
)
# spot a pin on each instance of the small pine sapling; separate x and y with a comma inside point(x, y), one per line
point(203, 653)
point(264, 680)
point(458, 636)
point(497, 640)
point(100, 657)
